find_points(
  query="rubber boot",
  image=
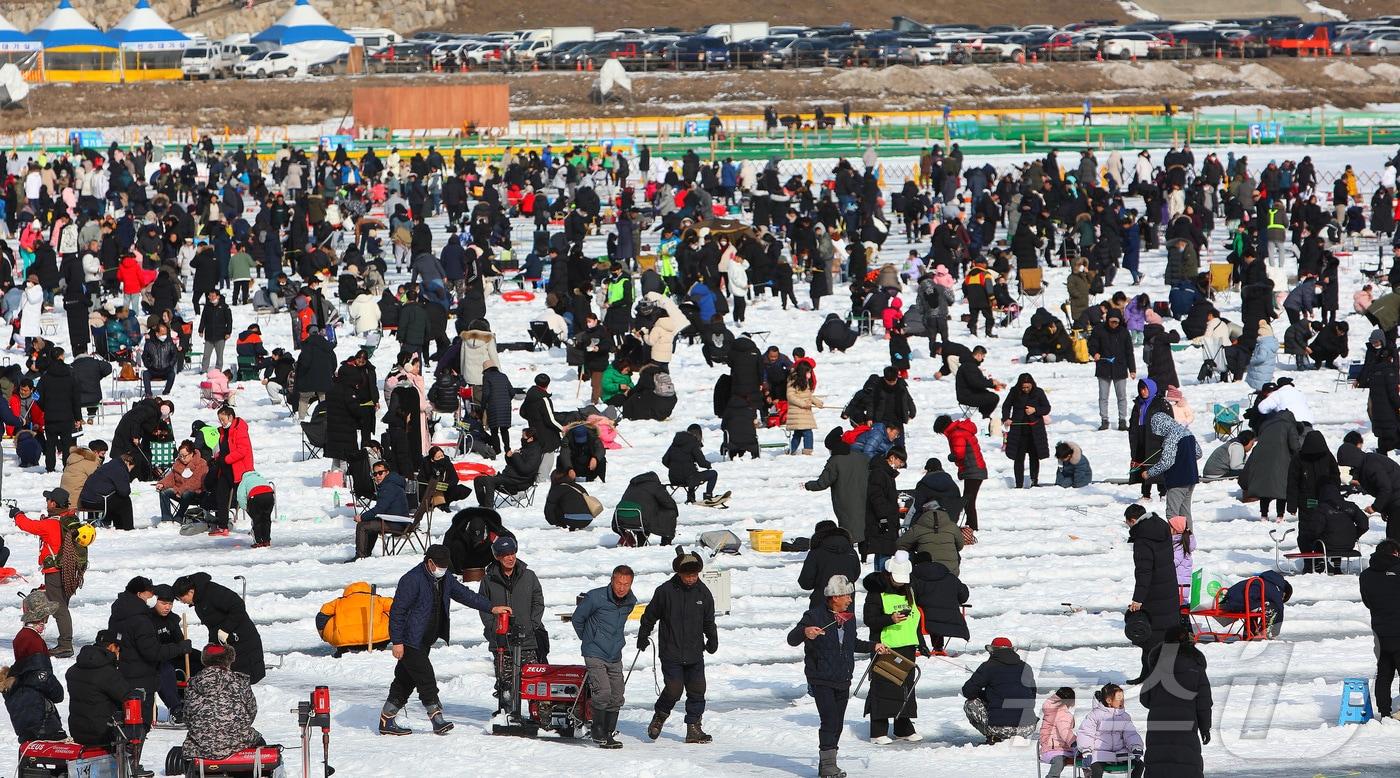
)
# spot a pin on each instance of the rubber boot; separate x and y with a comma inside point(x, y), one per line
point(441, 726)
point(658, 720)
point(389, 721)
point(826, 765)
point(137, 771)
point(694, 734)
point(610, 730)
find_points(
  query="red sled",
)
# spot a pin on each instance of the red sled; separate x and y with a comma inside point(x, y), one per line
point(49, 758)
point(259, 762)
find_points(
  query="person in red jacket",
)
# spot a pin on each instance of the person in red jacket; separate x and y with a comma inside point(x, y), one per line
point(37, 609)
point(231, 461)
point(49, 530)
point(133, 278)
point(25, 406)
point(966, 453)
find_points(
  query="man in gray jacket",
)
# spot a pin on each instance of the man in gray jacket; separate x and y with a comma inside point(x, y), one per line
point(509, 582)
point(600, 619)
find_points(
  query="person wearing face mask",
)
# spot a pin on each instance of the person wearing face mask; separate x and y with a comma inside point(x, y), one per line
point(233, 459)
point(31, 689)
point(421, 614)
point(141, 651)
point(225, 614)
point(161, 357)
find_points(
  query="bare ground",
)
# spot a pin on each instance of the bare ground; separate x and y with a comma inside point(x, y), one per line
point(1277, 83)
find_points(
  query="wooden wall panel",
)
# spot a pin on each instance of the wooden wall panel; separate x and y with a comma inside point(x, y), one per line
point(432, 107)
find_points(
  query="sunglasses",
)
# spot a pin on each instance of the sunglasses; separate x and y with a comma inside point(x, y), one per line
point(381, 472)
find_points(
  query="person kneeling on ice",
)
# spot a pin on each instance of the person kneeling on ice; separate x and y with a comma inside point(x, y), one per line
point(346, 622)
point(219, 708)
point(686, 611)
point(890, 615)
point(1001, 695)
point(600, 621)
point(1277, 592)
point(1057, 741)
point(421, 614)
point(1107, 735)
point(1074, 471)
point(829, 645)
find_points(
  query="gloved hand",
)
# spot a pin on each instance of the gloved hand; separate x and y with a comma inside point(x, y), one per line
point(227, 638)
point(1205, 737)
point(186, 646)
point(712, 645)
point(952, 458)
point(14, 511)
point(642, 642)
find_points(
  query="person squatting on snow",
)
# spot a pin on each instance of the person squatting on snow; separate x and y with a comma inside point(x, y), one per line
point(600, 621)
point(685, 609)
point(1001, 695)
point(420, 615)
point(141, 650)
point(829, 645)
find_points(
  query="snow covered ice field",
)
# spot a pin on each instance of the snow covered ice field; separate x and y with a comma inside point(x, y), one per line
point(1275, 702)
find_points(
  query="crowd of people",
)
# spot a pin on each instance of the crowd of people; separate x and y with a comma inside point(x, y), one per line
point(121, 234)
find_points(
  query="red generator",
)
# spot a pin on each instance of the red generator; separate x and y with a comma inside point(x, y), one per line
point(52, 758)
point(554, 698)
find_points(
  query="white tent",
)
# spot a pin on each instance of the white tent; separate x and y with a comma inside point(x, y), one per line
point(304, 32)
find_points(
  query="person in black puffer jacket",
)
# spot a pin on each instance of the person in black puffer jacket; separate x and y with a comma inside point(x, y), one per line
point(89, 373)
point(31, 691)
point(830, 552)
point(583, 454)
point(96, 691)
point(834, 335)
point(565, 506)
point(686, 464)
point(1380, 592)
point(882, 507)
point(141, 651)
point(226, 616)
point(1154, 574)
point(1179, 705)
point(940, 596)
point(59, 399)
point(469, 538)
point(685, 610)
point(659, 512)
point(347, 404)
point(495, 402)
point(1001, 695)
point(938, 485)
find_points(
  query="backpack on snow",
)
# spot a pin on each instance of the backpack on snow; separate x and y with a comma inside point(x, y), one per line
point(663, 386)
point(720, 541)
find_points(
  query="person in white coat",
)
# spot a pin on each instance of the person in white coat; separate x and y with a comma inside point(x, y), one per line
point(31, 310)
point(738, 272)
point(662, 335)
point(364, 313)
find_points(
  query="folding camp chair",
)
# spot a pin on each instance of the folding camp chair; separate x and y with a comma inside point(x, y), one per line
point(542, 336)
point(629, 525)
point(408, 532)
point(1220, 277)
point(1348, 373)
point(313, 434)
point(1227, 420)
point(247, 368)
point(521, 499)
point(162, 454)
point(94, 516)
point(1030, 287)
point(1338, 559)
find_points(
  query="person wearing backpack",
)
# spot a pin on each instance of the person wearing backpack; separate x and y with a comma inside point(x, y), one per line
point(60, 559)
point(653, 396)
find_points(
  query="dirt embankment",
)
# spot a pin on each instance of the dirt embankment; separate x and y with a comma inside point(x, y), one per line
point(1278, 83)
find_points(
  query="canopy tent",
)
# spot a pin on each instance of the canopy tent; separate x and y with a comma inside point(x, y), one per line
point(151, 48)
point(74, 50)
point(15, 46)
point(304, 32)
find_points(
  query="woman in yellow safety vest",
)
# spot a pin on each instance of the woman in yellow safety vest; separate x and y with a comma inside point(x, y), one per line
point(893, 619)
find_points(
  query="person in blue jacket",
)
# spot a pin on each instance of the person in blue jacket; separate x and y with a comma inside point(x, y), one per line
point(829, 645)
point(1074, 471)
point(1277, 592)
point(600, 619)
point(421, 614)
point(704, 299)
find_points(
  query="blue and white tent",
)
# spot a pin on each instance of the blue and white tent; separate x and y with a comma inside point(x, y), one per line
point(143, 29)
point(306, 33)
point(66, 28)
point(11, 39)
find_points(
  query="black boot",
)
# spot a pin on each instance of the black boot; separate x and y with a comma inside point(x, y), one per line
point(604, 737)
point(389, 722)
point(441, 726)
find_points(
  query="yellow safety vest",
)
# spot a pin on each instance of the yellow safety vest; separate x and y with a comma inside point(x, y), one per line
point(905, 633)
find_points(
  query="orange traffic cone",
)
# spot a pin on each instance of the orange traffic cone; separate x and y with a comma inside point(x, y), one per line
point(1098, 57)
point(1219, 54)
point(1035, 57)
point(590, 65)
point(578, 65)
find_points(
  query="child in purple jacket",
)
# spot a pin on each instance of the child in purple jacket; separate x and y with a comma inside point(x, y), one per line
point(1183, 543)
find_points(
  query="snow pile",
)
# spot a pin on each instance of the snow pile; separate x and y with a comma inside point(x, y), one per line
point(1259, 76)
point(904, 80)
point(1146, 74)
point(1345, 71)
point(1136, 11)
point(1386, 72)
point(1319, 8)
point(1213, 72)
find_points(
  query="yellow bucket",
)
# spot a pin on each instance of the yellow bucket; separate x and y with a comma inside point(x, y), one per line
point(766, 541)
point(637, 611)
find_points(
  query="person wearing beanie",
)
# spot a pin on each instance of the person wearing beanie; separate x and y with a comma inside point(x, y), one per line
point(1001, 695)
point(510, 582)
point(830, 643)
point(419, 617)
point(220, 708)
point(537, 409)
point(686, 465)
point(142, 653)
point(1154, 576)
point(685, 609)
point(96, 693)
point(1179, 707)
point(30, 687)
point(891, 615)
point(830, 552)
point(1024, 416)
point(600, 621)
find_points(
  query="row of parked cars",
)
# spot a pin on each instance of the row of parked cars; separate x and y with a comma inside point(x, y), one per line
point(759, 45)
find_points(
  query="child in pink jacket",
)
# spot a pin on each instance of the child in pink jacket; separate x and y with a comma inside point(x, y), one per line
point(1057, 739)
point(1183, 543)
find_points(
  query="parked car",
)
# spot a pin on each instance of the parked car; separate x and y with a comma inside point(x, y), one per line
point(328, 67)
point(269, 64)
point(1384, 44)
point(699, 51)
point(1125, 45)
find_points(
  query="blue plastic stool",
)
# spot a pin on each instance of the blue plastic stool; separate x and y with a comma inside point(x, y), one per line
point(1356, 702)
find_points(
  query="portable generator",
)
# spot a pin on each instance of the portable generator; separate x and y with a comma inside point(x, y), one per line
point(554, 698)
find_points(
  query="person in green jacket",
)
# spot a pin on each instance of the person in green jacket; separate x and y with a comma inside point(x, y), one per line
point(240, 273)
point(258, 497)
point(617, 382)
